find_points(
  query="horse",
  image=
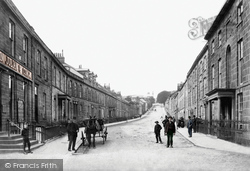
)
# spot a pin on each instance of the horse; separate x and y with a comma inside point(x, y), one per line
point(91, 129)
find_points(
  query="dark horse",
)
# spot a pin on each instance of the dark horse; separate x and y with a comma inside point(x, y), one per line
point(93, 125)
point(91, 130)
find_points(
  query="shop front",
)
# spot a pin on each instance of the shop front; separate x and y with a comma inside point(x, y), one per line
point(16, 87)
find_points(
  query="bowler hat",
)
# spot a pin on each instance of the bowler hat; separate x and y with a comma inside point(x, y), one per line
point(156, 122)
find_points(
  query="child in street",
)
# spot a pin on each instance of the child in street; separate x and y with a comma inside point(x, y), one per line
point(157, 131)
point(26, 140)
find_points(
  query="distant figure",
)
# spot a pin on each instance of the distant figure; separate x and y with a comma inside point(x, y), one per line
point(170, 131)
point(26, 140)
point(189, 126)
point(157, 132)
point(165, 121)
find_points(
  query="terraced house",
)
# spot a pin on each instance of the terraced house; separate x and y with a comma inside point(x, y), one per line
point(39, 88)
point(219, 93)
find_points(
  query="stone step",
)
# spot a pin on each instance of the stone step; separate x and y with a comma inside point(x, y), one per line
point(3, 133)
point(11, 141)
point(20, 150)
point(12, 136)
point(16, 146)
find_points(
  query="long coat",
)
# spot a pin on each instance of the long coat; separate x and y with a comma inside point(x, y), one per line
point(72, 129)
point(157, 129)
point(170, 127)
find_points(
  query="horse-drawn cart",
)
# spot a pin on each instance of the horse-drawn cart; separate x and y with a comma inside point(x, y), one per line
point(93, 128)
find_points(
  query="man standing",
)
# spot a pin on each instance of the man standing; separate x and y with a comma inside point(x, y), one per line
point(164, 122)
point(157, 131)
point(170, 131)
point(72, 129)
point(189, 126)
point(26, 140)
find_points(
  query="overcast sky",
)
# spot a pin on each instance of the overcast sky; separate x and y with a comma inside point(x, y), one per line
point(136, 46)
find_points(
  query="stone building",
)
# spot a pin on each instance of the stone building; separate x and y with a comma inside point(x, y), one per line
point(181, 100)
point(39, 88)
point(228, 70)
point(197, 85)
point(218, 83)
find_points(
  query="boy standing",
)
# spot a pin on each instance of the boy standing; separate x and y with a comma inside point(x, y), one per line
point(26, 140)
point(157, 131)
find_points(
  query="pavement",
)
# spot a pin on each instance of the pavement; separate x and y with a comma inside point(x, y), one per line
point(212, 142)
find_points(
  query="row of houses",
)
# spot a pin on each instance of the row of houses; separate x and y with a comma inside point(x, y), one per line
point(38, 87)
point(217, 86)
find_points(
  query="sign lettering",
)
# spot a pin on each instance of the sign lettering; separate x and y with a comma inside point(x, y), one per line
point(13, 65)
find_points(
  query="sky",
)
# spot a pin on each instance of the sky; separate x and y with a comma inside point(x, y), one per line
point(138, 47)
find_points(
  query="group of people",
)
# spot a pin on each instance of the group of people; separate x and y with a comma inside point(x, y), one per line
point(169, 130)
point(170, 127)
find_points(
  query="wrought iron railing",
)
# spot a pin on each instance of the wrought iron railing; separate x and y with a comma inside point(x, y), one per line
point(233, 131)
point(38, 132)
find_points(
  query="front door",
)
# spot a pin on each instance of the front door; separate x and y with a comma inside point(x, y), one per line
point(226, 108)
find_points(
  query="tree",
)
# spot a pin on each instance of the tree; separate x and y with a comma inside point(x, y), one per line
point(163, 96)
point(128, 98)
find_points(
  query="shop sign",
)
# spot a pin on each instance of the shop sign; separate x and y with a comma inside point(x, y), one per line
point(13, 65)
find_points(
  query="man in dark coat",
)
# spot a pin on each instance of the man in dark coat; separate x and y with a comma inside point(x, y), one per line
point(72, 129)
point(157, 132)
point(170, 131)
point(190, 126)
point(165, 121)
point(26, 140)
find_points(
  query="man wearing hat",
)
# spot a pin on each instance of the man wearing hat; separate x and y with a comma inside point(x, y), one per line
point(72, 130)
point(170, 131)
point(157, 132)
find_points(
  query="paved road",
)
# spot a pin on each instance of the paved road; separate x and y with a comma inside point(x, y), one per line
point(131, 146)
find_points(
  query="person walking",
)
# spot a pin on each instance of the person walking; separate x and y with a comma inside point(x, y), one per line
point(157, 132)
point(189, 126)
point(170, 131)
point(72, 129)
point(26, 140)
